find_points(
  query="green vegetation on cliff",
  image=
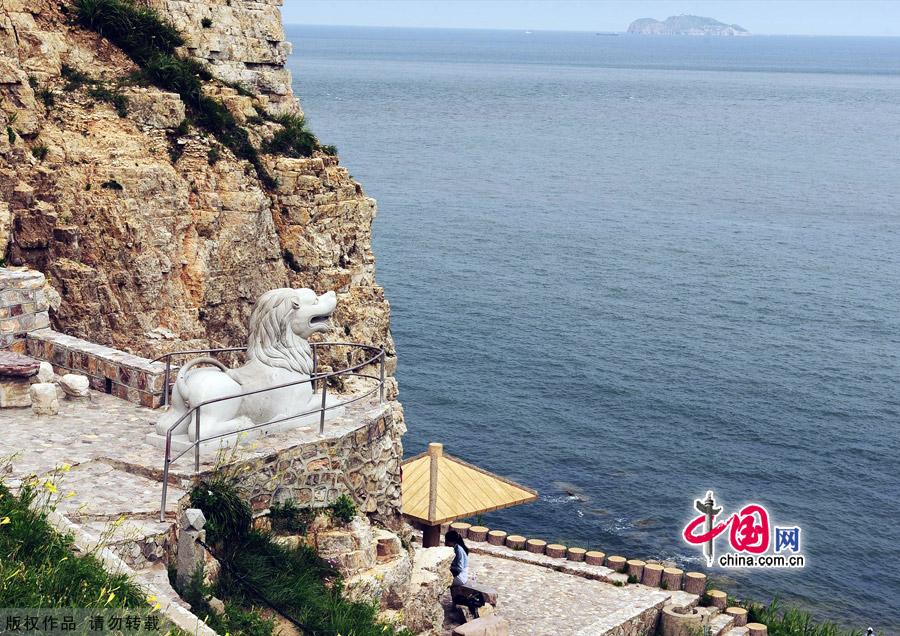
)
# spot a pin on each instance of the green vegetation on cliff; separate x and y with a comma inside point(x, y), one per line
point(258, 572)
point(151, 42)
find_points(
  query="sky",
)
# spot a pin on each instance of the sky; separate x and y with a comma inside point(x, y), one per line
point(773, 17)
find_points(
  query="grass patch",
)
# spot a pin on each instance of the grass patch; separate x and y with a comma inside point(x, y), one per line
point(228, 517)
point(287, 518)
point(11, 134)
point(39, 152)
point(206, 23)
point(792, 621)
point(98, 90)
point(258, 572)
point(115, 97)
point(47, 97)
point(38, 567)
point(343, 509)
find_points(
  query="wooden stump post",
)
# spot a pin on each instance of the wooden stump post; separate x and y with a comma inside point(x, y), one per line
point(694, 583)
point(515, 541)
point(739, 614)
point(575, 554)
point(535, 546)
point(616, 563)
point(594, 557)
point(461, 527)
point(757, 629)
point(652, 576)
point(717, 598)
point(636, 569)
point(496, 537)
point(556, 551)
point(477, 533)
point(672, 578)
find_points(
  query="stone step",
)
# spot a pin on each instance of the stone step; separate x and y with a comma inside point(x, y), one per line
point(720, 624)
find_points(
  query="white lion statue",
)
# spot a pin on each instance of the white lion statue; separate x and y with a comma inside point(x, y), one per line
point(277, 353)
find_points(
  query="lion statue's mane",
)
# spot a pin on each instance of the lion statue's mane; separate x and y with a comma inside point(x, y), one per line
point(272, 341)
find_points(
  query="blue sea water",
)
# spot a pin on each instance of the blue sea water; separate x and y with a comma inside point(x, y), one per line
point(635, 269)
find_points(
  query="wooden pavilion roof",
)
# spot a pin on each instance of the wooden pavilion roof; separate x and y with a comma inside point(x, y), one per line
point(438, 488)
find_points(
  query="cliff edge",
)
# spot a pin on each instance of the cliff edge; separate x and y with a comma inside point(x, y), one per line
point(156, 233)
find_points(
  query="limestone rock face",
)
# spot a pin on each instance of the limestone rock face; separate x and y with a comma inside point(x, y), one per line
point(146, 228)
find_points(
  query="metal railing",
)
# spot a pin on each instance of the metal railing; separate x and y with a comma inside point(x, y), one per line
point(374, 355)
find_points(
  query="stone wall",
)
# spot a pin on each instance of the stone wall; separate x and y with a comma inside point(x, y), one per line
point(363, 463)
point(24, 305)
point(128, 377)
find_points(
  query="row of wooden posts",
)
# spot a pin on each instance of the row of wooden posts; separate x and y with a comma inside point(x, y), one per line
point(649, 574)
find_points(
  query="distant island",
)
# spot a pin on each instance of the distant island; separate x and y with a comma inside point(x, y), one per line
point(685, 25)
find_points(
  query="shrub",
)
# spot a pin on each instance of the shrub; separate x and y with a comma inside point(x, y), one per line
point(288, 518)
point(114, 97)
point(206, 23)
point(112, 184)
point(791, 621)
point(11, 134)
point(343, 509)
point(46, 95)
point(301, 585)
point(228, 516)
point(213, 155)
point(75, 79)
point(632, 579)
point(39, 152)
point(293, 140)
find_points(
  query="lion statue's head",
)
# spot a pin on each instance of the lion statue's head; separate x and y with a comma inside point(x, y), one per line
point(281, 322)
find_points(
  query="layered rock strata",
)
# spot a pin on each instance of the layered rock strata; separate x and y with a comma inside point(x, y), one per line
point(155, 235)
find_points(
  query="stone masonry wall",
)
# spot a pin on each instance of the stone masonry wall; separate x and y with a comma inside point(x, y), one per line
point(24, 305)
point(364, 464)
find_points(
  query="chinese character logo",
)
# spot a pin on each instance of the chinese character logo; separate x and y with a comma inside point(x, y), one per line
point(749, 535)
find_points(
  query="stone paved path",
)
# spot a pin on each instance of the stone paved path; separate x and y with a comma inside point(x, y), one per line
point(539, 601)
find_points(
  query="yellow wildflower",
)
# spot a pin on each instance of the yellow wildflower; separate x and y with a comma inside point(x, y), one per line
point(4, 521)
point(49, 485)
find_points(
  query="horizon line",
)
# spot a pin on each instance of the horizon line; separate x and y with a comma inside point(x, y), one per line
point(600, 32)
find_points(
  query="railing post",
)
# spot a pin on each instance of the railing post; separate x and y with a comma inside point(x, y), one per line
point(315, 365)
point(166, 381)
point(322, 414)
point(162, 505)
point(381, 388)
point(197, 444)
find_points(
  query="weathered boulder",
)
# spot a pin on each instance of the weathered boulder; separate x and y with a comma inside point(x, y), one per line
point(45, 373)
point(422, 611)
point(155, 108)
point(44, 399)
point(75, 385)
point(484, 626)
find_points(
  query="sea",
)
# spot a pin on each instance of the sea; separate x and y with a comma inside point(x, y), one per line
point(627, 270)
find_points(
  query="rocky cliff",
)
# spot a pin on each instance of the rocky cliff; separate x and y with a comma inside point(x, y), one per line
point(154, 233)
